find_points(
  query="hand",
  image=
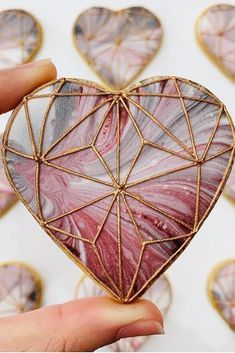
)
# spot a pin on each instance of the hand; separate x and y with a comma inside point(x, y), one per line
point(80, 325)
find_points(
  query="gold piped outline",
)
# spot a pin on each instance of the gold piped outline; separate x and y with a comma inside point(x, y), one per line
point(203, 46)
point(122, 95)
point(38, 279)
point(90, 64)
point(209, 286)
point(40, 33)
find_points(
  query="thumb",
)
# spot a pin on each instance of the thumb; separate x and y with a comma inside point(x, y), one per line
point(81, 325)
point(15, 83)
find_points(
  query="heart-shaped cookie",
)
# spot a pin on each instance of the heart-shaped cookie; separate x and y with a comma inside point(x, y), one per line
point(20, 37)
point(221, 291)
point(117, 44)
point(7, 194)
point(215, 30)
point(121, 181)
point(160, 294)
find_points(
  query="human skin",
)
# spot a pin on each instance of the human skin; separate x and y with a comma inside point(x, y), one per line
point(79, 325)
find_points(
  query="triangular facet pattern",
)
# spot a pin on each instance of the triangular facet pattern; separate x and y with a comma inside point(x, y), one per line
point(216, 34)
point(122, 191)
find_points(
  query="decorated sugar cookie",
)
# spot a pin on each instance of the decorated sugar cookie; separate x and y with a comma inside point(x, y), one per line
point(118, 45)
point(121, 181)
point(215, 30)
point(20, 37)
point(221, 290)
point(20, 289)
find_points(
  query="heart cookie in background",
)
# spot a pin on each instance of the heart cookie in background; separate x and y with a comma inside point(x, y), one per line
point(120, 181)
point(118, 45)
point(160, 294)
point(215, 29)
point(221, 290)
point(7, 194)
point(20, 37)
point(20, 288)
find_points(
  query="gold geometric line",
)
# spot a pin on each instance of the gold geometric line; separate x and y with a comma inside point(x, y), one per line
point(105, 271)
point(159, 210)
point(172, 96)
point(161, 126)
point(18, 153)
point(66, 153)
point(105, 166)
point(158, 175)
point(70, 94)
point(118, 142)
point(197, 196)
point(37, 190)
point(219, 154)
point(49, 226)
point(102, 122)
point(133, 120)
point(132, 217)
point(45, 117)
point(30, 130)
point(83, 176)
point(161, 269)
point(76, 125)
point(146, 142)
point(136, 273)
point(188, 122)
point(119, 236)
point(133, 163)
point(78, 208)
point(105, 218)
point(141, 141)
point(159, 241)
point(213, 132)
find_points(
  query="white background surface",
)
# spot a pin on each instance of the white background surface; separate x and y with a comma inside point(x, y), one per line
point(191, 324)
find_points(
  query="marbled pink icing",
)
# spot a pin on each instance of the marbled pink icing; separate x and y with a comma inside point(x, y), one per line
point(160, 294)
point(7, 195)
point(117, 44)
point(222, 291)
point(20, 289)
point(20, 37)
point(216, 33)
point(156, 197)
point(229, 189)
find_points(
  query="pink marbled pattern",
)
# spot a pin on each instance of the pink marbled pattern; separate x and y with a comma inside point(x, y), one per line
point(123, 225)
point(216, 33)
point(7, 195)
point(117, 44)
point(160, 294)
point(222, 291)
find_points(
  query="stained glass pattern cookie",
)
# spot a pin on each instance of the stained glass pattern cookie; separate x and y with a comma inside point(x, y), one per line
point(118, 45)
point(20, 289)
point(216, 34)
point(120, 181)
point(20, 37)
point(221, 290)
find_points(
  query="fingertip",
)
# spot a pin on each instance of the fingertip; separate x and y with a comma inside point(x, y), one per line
point(17, 82)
